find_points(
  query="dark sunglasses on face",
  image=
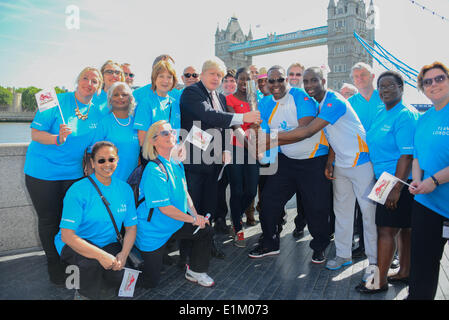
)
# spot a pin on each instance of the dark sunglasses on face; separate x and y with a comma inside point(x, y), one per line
point(165, 133)
point(188, 75)
point(131, 75)
point(101, 161)
point(116, 72)
point(429, 81)
point(279, 80)
point(291, 74)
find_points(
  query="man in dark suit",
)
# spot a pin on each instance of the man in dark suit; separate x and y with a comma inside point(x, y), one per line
point(202, 106)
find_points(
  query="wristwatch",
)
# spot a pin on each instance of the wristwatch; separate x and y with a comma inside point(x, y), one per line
point(273, 135)
point(435, 180)
point(194, 219)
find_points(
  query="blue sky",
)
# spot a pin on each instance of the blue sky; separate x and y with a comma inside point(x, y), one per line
point(36, 47)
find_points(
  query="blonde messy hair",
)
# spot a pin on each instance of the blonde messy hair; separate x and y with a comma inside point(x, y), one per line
point(148, 149)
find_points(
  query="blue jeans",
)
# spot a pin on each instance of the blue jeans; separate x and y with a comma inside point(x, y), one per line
point(243, 180)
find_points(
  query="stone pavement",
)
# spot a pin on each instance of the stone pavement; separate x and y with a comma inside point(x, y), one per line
point(289, 276)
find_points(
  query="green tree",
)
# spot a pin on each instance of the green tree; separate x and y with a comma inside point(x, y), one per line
point(5, 97)
point(28, 98)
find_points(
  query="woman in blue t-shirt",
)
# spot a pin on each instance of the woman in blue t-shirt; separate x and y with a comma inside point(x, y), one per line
point(168, 210)
point(54, 158)
point(87, 237)
point(430, 184)
point(390, 143)
point(117, 127)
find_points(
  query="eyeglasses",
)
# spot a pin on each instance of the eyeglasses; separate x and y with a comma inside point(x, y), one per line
point(131, 75)
point(188, 75)
point(101, 161)
point(279, 80)
point(165, 133)
point(291, 74)
point(116, 72)
point(429, 81)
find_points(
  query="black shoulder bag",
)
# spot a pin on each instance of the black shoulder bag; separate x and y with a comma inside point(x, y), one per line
point(134, 259)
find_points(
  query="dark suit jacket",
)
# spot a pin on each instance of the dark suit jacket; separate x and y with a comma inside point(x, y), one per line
point(196, 107)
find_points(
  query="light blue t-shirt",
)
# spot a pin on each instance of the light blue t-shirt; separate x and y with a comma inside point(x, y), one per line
point(151, 108)
point(391, 135)
point(160, 193)
point(85, 213)
point(283, 115)
point(432, 152)
point(344, 132)
point(121, 133)
point(101, 100)
point(64, 162)
point(366, 110)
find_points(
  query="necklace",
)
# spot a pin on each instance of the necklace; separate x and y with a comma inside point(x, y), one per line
point(169, 105)
point(78, 112)
point(121, 124)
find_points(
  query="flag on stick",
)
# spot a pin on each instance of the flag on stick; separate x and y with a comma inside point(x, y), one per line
point(383, 187)
point(128, 283)
point(47, 99)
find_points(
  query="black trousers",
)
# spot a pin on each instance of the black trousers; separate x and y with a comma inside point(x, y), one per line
point(306, 177)
point(427, 246)
point(199, 255)
point(92, 274)
point(47, 198)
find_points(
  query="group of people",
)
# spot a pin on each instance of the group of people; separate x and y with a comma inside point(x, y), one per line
point(330, 148)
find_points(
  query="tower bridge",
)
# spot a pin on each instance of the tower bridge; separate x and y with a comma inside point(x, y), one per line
point(343, 18)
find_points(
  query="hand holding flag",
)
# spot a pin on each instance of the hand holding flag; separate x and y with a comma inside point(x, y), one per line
point(383, 187)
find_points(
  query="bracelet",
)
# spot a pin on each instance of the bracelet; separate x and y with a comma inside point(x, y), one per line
point(57, 140)
point(435, 180)
point(194, 219)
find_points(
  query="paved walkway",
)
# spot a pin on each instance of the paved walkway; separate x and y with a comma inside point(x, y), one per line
point(289, 276)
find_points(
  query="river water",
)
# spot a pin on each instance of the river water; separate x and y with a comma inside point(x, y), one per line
point(15, 132)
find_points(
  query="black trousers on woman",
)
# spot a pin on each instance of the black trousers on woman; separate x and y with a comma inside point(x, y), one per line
point(427, 246)
point(92, 274)
point(199, 256)
point(47, 198)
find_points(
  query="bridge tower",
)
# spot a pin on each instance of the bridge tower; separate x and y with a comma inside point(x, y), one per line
point(231, 35)
point(344, 50)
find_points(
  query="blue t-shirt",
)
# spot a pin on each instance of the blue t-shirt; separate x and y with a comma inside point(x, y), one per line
point(391, 135)
point(432, 152)
point(366, 110)
point(85, 213)
point(101, 100)
point(121, 133)
point(344, 132)
point(64, 162)
point(151, 108)
point(160, 192)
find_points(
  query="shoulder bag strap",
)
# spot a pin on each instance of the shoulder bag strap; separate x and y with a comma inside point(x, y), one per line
point(162, 167)
point(106, 203)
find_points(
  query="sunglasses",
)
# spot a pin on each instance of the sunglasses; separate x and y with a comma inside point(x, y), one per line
point(101, 161)
point(165, 133)
point(131, 75)
point(291, 74)
point(279, 80)
point(188, 75)
point(438, 79)
point(116, 72)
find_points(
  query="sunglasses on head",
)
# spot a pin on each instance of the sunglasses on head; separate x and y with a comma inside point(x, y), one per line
point(101, 161)
point(188, 75)
point(165, 133)
point(116, 72)
point(429, 81)
point(279, 80)
point(291, 74)
point(131, 75)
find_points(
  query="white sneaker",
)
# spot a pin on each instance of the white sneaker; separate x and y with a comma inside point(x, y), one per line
point(369, 272)
point(201, 278)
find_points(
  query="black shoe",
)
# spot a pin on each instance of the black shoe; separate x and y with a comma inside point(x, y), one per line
point(260, 252)
point(215, 251)
point(56, 272)
point(318, 256)
point(398, 280)
point(362, 289)
point(359, 253)
point(298, 233)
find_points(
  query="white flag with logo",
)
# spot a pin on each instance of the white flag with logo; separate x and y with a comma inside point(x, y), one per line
point(46, 99)
point(383, 186)
point(128, 283)
point(199, 138)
